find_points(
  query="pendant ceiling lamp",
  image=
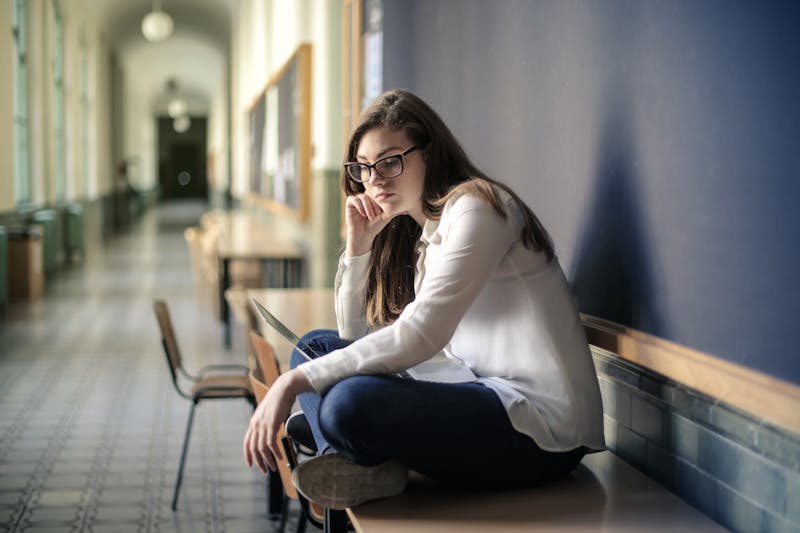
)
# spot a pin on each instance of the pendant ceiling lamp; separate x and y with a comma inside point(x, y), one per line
point(177, 107)
point(182, 124)
point(156, 25)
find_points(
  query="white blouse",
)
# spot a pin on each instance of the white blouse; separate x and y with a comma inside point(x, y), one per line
point(492, 304)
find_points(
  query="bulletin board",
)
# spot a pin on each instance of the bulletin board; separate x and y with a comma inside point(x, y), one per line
point(279, 123)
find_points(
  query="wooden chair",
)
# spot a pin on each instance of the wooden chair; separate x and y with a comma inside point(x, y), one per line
point(245, 273)
point(193, 235)
point(239, 305)
point(266, 358)
point(212, 382)
point(268, 369)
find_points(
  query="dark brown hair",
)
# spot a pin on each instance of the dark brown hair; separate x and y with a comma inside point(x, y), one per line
point(448, 170)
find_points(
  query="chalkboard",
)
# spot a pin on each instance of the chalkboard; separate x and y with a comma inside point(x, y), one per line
point(279, 123)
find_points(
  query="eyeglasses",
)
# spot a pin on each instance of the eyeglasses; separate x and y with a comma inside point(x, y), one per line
point(390, 166)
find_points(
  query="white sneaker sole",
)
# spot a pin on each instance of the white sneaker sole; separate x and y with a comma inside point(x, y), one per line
point(336, 483)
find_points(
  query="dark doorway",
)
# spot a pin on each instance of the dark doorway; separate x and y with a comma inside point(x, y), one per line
point(182, 160)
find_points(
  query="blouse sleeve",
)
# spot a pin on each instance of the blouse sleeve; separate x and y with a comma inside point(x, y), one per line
point(350, 287)
point(474, 240)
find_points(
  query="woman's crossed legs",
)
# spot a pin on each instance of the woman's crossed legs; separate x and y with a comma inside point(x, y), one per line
point(454, 433)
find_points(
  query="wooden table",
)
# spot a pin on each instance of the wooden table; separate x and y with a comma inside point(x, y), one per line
point(301, 310)
point(242, 238)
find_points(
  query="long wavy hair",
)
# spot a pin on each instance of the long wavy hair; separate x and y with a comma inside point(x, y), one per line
point(448, 171)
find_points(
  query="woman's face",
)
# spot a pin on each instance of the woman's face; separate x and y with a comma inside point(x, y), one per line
point(403, 193)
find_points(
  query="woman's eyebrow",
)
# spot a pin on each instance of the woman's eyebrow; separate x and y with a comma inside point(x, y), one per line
point(383, 152)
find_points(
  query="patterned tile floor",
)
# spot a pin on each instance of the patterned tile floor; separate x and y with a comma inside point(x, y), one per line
point(90, 426)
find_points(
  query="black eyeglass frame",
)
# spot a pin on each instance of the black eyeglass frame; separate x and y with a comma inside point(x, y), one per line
point(361, 166)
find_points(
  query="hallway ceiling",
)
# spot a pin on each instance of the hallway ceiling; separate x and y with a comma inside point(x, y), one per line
point(196, 55)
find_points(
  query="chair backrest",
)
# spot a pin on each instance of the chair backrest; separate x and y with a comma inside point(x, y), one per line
point(208, 247)
point(266, 358)
point(236, 297)
point(213, 219)
point(260, 389)
point(168, 338)
point(192, 235)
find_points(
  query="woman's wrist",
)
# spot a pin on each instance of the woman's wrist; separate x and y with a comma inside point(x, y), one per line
point(298, 382)
point(352, 249)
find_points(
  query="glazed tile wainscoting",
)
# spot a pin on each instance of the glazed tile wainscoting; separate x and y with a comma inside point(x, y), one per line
point(741, 471)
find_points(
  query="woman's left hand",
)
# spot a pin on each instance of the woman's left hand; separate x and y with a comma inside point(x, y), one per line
point(261, 444)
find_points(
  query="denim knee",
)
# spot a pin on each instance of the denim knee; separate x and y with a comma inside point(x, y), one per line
point(346, 418)
point(317, 339)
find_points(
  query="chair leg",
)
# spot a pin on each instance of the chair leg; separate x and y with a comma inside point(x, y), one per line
point(301, 523)
point(183, 456)
point(335, 521)
point(301, 519)
point(284, 516)
point(275, 495)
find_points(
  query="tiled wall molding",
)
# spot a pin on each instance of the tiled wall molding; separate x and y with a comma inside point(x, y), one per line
point(763, 396)
point(739, 470)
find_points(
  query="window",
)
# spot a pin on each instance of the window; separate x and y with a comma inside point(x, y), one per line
point(84, 87)
point(58, 103)
point(22, 178)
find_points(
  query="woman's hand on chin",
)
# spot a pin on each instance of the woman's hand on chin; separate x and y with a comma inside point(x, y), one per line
point(364, 219)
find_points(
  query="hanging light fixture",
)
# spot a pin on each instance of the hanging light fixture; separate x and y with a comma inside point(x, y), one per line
point(182, 124)
point(156, 25)
point(177, 107)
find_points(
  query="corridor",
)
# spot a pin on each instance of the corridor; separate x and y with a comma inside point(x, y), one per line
point(90, 425)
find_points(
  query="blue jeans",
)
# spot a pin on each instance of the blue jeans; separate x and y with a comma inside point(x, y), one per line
point(452, 433)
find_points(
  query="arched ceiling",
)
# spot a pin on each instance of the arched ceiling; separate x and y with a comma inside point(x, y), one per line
point(196, 66)
point(195, 56)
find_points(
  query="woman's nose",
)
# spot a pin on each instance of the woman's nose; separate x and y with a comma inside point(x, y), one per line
point(374, 176)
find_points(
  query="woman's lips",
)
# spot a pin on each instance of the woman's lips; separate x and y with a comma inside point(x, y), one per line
point(383, 195)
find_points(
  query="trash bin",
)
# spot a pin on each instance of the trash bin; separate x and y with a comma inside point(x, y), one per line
point(3, 269)
point(74, 235)
point(48, 219)
point(25, 268)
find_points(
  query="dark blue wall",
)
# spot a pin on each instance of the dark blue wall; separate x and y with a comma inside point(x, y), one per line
point(659, 141)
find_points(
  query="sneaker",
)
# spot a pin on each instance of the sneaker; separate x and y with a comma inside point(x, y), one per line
point(299, 430)
point(337, 483)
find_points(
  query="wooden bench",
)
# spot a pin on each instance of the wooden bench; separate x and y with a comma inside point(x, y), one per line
point(603, 494)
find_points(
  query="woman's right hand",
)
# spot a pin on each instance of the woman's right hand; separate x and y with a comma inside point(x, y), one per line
point(261, 441)
point(364, 219)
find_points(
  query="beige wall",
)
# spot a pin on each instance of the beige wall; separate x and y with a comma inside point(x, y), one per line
point(218, 139)
point(73, 34)
point(265, 35)
point(7, 191)
point(101, 106)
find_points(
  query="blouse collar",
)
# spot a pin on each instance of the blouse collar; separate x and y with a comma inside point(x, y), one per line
point(428, 230)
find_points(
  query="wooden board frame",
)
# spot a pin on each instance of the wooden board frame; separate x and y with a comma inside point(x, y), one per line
point(295, 76)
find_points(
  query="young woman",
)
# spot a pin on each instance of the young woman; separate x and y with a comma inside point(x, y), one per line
point(439, 258)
